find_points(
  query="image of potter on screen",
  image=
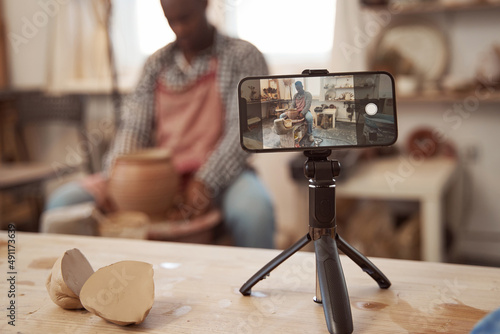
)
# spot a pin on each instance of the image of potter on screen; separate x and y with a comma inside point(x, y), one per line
point(328, 111)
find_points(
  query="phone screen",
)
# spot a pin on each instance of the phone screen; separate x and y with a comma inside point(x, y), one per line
point(304, 112)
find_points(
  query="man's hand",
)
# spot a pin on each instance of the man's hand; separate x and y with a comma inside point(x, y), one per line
point(194, 202)
point(97, 186)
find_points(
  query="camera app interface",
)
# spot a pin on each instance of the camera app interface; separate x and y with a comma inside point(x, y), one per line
point(327, 111)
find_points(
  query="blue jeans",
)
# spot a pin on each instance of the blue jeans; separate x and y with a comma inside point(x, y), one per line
point(489, 324)
point(246, 207)
point(309, 120)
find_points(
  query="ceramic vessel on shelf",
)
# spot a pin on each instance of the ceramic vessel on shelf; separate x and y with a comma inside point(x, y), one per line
point(145, 181)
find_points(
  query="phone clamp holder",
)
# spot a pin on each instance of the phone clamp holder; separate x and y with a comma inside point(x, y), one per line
point(331, 290)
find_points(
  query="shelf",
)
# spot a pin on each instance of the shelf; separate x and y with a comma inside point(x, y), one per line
point(338, 101)
point(449, 97)
point(268, 101)
point(438, 7)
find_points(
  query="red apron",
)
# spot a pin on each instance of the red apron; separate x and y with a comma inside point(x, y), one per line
point(189, 122)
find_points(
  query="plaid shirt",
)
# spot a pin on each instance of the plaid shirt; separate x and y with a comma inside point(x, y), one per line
point(236, 60)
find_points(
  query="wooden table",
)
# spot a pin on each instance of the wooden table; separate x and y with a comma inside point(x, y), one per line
point(197, 291)
point(403, 178)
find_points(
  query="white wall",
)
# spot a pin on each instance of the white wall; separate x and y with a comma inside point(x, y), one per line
point(27, 26)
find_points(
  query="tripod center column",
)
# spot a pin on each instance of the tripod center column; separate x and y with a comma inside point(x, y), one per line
point(322, 195)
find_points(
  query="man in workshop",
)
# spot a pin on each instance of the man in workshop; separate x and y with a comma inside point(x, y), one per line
point(186, 100)
point(302, 102)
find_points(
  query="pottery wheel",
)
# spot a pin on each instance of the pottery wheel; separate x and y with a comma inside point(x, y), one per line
point(166, 230)
point(295, 121)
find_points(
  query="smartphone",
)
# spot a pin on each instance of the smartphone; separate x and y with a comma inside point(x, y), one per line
point(317, 111)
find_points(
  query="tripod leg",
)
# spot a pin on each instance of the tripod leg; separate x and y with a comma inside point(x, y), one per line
point(365, 264)
point(332, 285)
point(262, 273)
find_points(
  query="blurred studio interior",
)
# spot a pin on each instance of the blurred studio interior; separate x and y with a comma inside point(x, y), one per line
point(68, 66)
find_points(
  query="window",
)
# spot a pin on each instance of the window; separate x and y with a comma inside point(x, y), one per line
point(286, 31)
point(153, 29)
point(287, 26)
point(139, 29)
point(290, 33)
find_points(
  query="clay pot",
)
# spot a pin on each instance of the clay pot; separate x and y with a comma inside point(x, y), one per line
point(292, 113)
point(145, 181)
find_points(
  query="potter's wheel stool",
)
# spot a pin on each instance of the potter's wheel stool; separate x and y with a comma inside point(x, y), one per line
point(290, 130)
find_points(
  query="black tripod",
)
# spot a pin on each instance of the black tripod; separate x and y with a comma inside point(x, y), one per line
point(331, 289)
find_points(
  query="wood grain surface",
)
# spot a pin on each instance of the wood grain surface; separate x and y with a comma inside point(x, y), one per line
point(196, 290)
